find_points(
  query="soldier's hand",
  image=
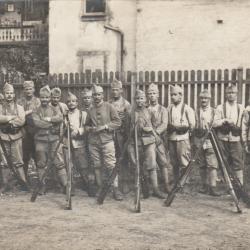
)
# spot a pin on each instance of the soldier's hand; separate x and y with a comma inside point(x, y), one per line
point(47, 119)
point(101, 128)
point(11, 117)
point(246, 148)
point(90, 129)
point(74, 133)
point(147, 129)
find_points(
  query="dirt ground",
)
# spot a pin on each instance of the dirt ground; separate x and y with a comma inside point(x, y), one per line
point(194, 221)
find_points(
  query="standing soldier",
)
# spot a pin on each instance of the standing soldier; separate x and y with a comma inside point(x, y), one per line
point(56, 95)
point(207, 158)
point(29, 103)
point(146, 142)
point(12, 118)
point(86, 99)
point(231, 124)
point(181, 120)
point(160, 122)
point(123, 108)
point(102, 120)
point(77, 121)
point(47, 121)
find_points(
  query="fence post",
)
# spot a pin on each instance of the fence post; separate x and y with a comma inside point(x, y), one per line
point(240, 83)
point(133, 86)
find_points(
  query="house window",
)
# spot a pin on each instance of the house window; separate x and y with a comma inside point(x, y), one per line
point(10, 7)
point(94, 10)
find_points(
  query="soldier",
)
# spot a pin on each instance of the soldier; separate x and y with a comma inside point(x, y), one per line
point(146, 142)
point(1, 98)
point(29, 103)
point(12, 118)
point(181, 120)
point(77, 121)
point(123, 108)
point(231, 123)
point(86, 99)
point(47, 121)
point(56, 95)
point(102, 120)
point(159, 120)
point(207, 158)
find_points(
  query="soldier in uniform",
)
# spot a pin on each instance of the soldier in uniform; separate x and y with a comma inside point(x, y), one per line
point(231, 123)
point(56, 95)
point(207, 158)
point(181, 120)
point(86, 99)
point(1, 98)
point(47, 121)
point(12, 119)
point(29, 103)
point(146, 144)
point(123, 108)
point(159, 120)
point(102, 120)
point(77, 121)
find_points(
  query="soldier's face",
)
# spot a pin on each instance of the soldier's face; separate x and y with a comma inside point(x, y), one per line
point(72, 103)
point(45, 99)
point(87, 100)
point(29, 91)
point(55, 99)
point(98, 98)
point(140, 101)
point(153, 96)
point(116, 92)
point(204, 101)
point(9, 96)
point(176, 97)
point(231, 96)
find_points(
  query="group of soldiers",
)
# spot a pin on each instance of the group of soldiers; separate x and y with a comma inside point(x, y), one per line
point(103, 136)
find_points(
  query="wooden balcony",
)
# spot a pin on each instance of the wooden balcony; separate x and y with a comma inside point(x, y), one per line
point(14, 35)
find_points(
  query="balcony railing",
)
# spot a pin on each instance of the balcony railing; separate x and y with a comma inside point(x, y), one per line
point(23, 33)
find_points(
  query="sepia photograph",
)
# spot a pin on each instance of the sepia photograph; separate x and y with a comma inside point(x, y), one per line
point(124, 124)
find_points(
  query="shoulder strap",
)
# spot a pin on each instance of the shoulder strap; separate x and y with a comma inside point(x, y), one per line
point(224, 110)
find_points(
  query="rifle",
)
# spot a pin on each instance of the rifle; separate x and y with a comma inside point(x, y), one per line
point(46, 170)
point(69, 172)
point(137, 174)
point(10, 164)
point(236, 189)
point(185, 173)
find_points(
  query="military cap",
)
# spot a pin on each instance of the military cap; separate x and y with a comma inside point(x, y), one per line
point(139, 93)
point(231, 88)
point(56, 92)
point(152, 87)
point(97, 89)
point(8, 87)
point(71, 96)
point(116, 84)
point(205, 93)
point(28, 84)
point(176, 89)
point(87, 92)
point(45, 90)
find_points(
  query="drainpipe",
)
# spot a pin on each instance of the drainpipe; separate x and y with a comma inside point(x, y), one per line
point(108, 27)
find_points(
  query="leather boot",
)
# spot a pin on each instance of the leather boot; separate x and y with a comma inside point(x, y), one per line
point(40, 173)
point(154, 180)
point(166, 182)
point(21, 175)
point(117, 195)
point(213, 192)
point(239, 175)
point(62, 176)
point(98, 177)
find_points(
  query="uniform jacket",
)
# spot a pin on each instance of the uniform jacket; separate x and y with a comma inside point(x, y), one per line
point(47, 131)
point(225, 111)
point(176, 118)
point(103, 114)
point(12, 109)
point(77, 118)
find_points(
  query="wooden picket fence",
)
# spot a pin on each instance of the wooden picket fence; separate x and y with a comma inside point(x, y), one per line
point(192, 83)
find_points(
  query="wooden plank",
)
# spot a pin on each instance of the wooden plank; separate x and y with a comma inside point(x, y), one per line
point(82, 78)
point(186, 75)
point(71, 78)
point(77, 78)
point(193, 95)
point(213, 89)
point(241, 98)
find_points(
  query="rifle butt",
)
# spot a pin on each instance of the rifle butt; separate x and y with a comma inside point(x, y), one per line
point(169, 199)
point(69, 205)
point(33, 196)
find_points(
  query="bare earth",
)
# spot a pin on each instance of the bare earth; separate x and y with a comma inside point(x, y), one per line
point(192, 222)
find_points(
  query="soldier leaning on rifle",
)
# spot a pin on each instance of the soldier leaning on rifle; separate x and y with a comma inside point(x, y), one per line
point(181, 120)
point(77, 121)
point(101, 122)
point(12, 118)
point(86, 99)
point(159, 120)
point(146, 143)
point(230, 123)
point(123, 109)
point(207, 158)
point(47, 121)
point(29, 103)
